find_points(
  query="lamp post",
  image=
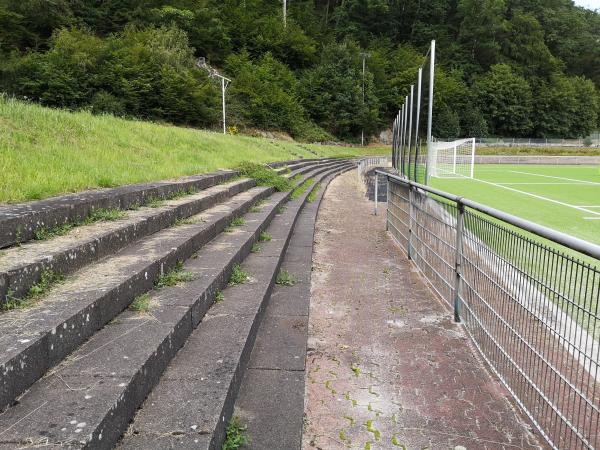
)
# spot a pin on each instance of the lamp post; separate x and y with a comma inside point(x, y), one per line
point(364, 58)
point(212, 73)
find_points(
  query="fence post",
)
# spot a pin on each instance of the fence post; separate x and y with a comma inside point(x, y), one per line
point(376, 193)
point(410, 220)
point(387, 193)
point(460, 217)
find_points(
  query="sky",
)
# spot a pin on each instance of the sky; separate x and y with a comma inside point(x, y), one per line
point(591, 4)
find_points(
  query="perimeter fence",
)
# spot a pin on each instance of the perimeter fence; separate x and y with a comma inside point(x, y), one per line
point(528, 297)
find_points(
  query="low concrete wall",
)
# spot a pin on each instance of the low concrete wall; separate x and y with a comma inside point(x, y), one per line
point(533, 159)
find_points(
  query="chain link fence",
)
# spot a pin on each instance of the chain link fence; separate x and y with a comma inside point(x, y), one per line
point(528, 296)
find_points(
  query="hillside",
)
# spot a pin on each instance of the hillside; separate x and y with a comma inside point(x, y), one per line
point(506, 67)
point(45, 152)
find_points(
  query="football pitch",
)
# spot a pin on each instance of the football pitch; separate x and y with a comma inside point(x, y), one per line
point(565, 198)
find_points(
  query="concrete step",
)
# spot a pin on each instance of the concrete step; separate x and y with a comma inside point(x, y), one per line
point(270, 402)
point(88, 400)
point(19, 222)
point(34, 339)
point(193, 401)
point(22, 266)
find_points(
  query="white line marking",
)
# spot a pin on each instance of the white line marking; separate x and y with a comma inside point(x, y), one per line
point(557, 178)
point(551, 184)
point(592, 218)
point(589, 211)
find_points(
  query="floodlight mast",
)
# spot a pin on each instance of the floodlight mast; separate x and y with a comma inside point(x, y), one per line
point(212, 73)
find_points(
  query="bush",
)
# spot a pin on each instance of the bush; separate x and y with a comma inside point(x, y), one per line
point(143, 73)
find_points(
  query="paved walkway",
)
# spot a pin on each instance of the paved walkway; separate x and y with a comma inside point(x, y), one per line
point(386, 366)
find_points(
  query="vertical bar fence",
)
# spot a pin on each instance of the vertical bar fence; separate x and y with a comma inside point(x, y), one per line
point(528, 296)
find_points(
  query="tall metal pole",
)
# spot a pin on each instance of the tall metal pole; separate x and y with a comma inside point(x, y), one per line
point(284, 13)
point(410, 118)
point(223, 96)
point(362, 132)
point(418, 111)
point(430, 105)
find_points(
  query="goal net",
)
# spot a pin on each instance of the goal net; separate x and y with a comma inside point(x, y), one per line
point(452, 158)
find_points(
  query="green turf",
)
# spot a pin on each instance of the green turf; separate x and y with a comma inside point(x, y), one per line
point(501, 187)
point(46, 152)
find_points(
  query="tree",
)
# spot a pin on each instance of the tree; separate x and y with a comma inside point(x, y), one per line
point(331, 92)
point(505, 101)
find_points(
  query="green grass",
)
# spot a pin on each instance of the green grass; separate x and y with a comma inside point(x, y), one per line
point(298, 191)
point(46, 152)
point(313, 194)
point(219, 297)
point(284, 278)
point(99, 215)
point(173, 277)
point(48, 279)
point(530, 192)
point(234, 435)
point(255, 248)
point(237, 222)
point(264, 236)
point(238, 276)
point(257, 206)
point(265, 176)
point(141, 303)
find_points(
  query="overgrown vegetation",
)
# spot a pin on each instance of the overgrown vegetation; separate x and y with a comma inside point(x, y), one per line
point(48, 279)
point(99, 215)
point(264, 176)
point(520, 67)
point(234, 435)
point(141, 303)
point(264, 236)
point(237, 222)
point(173, 277)
point(284, 278)
point(313, 194)
point(298, 191)
point(238, 276)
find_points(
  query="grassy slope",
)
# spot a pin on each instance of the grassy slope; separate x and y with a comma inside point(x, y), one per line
point(46, 152)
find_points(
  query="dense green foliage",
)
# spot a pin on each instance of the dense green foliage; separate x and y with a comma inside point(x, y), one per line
point(507, 67)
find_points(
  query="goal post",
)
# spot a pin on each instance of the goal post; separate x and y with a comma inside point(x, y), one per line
point(452, 158)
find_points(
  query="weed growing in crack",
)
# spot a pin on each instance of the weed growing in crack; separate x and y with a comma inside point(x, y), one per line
point(264, 236)
point(173, 277)
point(257, 206)
point(48, 279)
point(219, 297)
point(141, 303)
point(255, 248)
point(237, 222)
point(235, 435)
point(238, 276)
point(284, 278)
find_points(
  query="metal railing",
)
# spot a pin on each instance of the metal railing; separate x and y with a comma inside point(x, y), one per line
point(528, 297)
point(370, 161)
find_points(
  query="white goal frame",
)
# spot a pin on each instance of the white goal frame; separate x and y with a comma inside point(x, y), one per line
point(452, 158)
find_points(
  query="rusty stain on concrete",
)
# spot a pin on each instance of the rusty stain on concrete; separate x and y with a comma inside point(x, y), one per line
point(386, 366)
